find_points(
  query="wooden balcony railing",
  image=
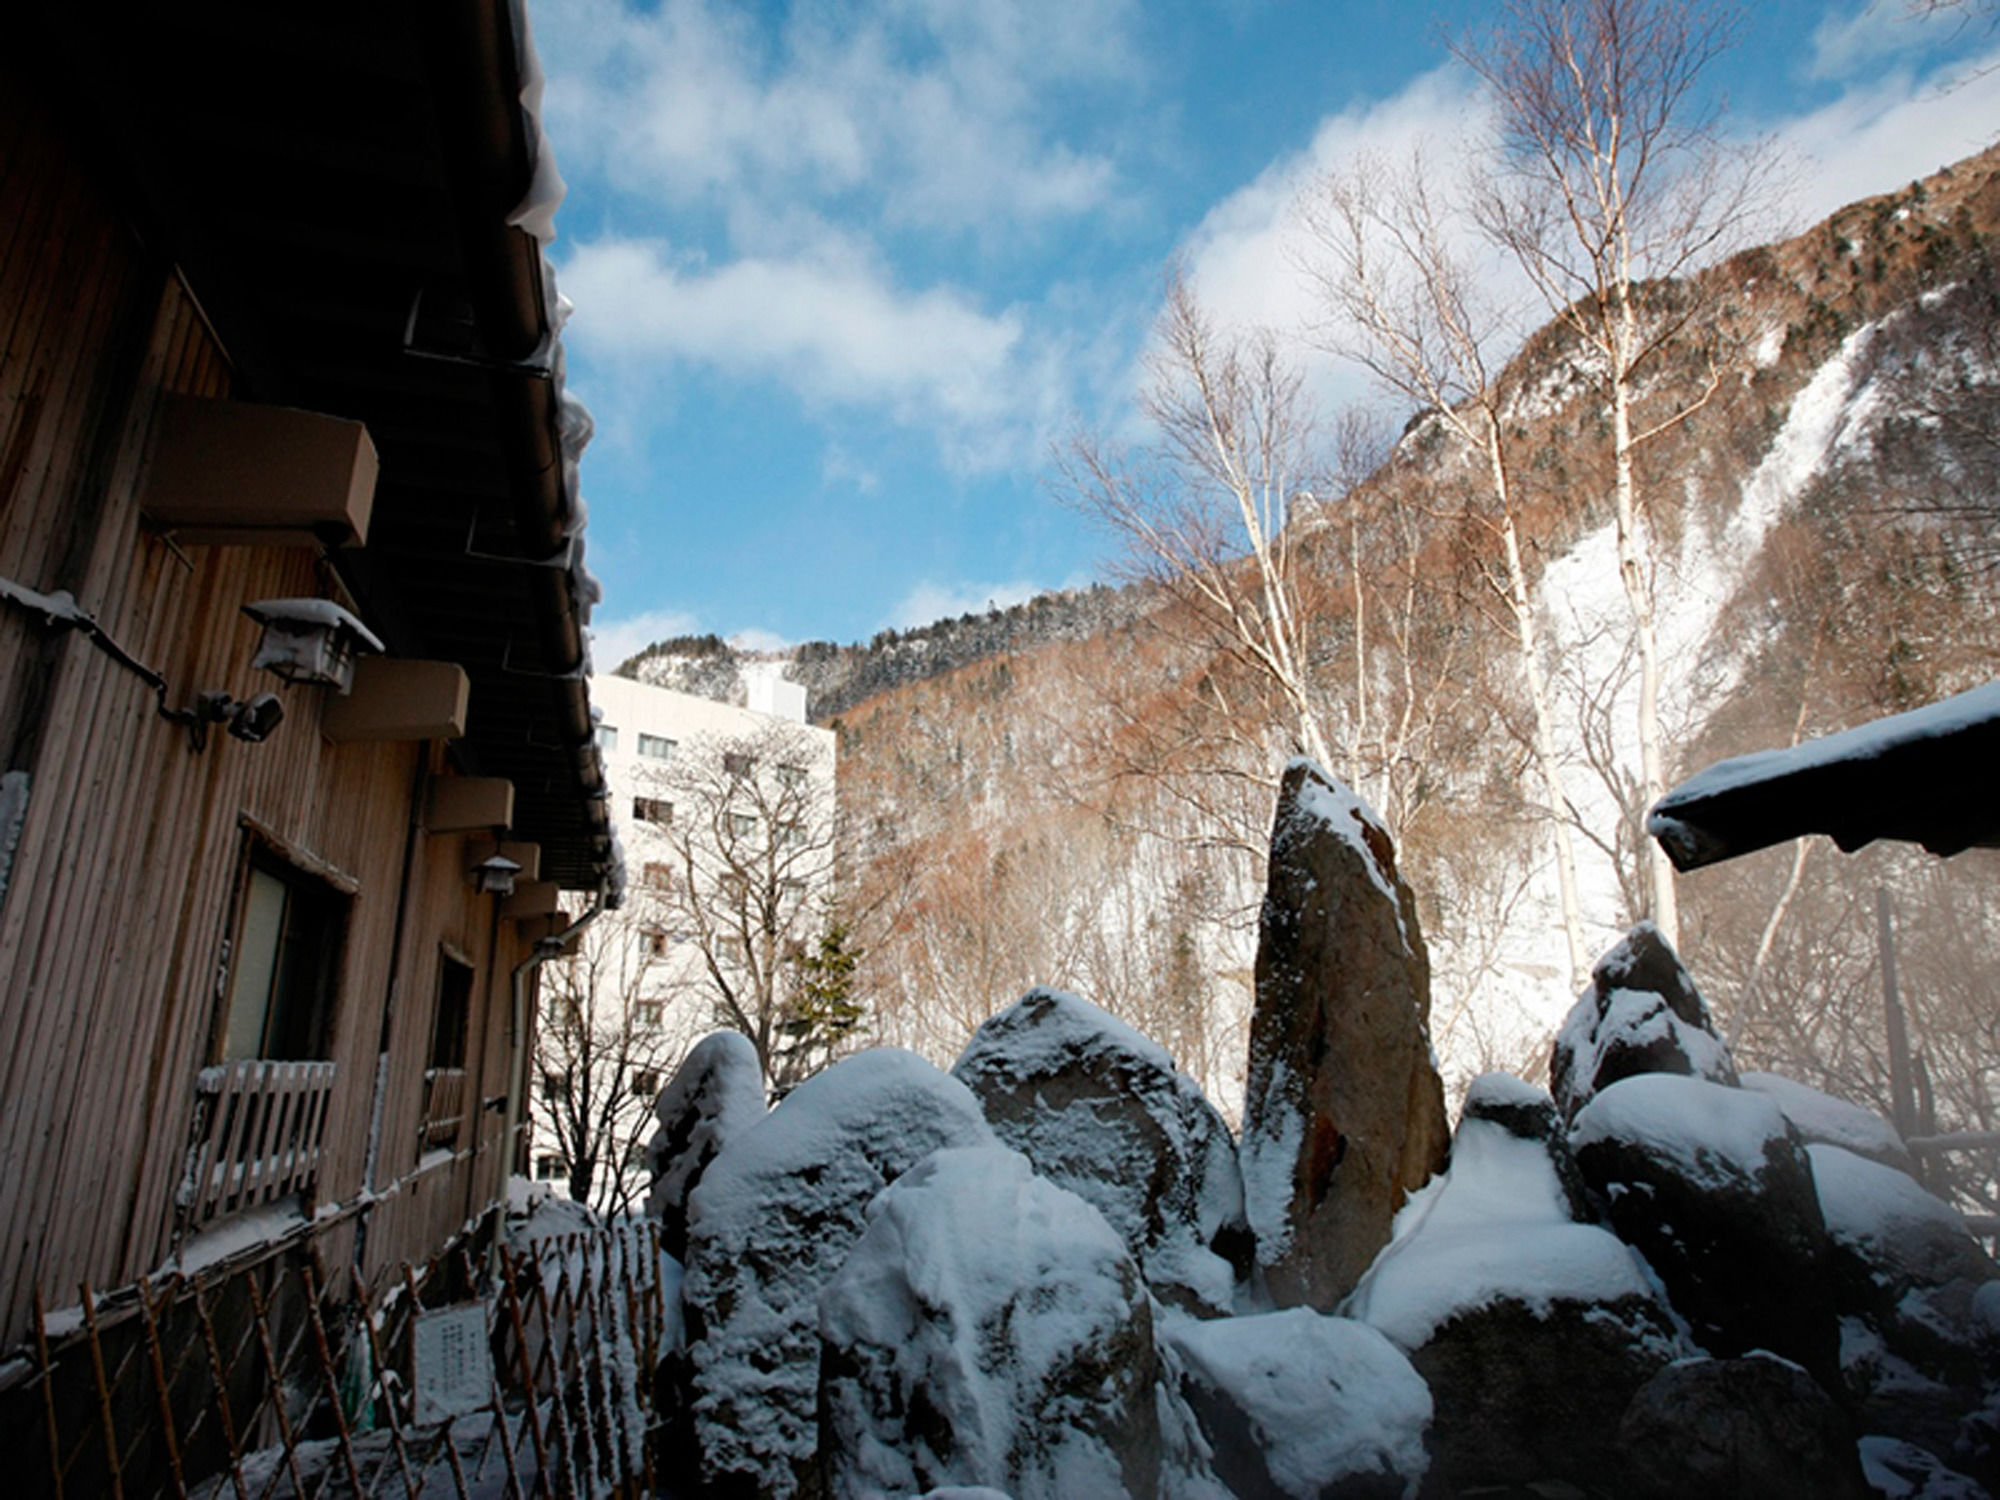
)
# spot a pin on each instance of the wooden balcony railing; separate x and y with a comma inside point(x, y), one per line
point(444, 1106)
point(259, 1132)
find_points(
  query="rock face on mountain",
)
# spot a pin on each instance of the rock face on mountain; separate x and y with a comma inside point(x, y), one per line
point(1641, 1014)
point(988, 1328)
point(716, 1093)
point(1532, 1329)
point(1715, 1189)
point(770, 1223)
point(1101, 1110)
point(1344, 1114)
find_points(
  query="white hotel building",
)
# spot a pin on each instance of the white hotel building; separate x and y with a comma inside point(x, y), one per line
point(726, 816)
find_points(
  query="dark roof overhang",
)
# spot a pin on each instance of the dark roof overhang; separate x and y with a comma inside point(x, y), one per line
point(1929, 777)
point(333, 182)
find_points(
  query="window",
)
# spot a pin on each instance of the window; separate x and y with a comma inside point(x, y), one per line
point(788, 835)
point(791, 777)
point(735, 952)
point(653, 943)
point(448, 1019)
point(652, 810)
point(738, 764)
point(656, 747)
point(658, 877)
point(791, 891)
point(555, 1088)
point(286, 964)
point(646, 1014)
point(742, 824)
point(607, 738)
point(549, 1168)
point(645, 1082)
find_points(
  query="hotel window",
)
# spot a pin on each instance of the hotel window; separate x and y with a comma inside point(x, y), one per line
point(646, 1014)
point(791, 777)
point(607, 738)
point(738, 764)
point(549, 1168)
point(656, 747)
point(653, 942)
point(658, 877)
point(645, 1082)
point(286, 964)
point(652, 810)
point(742, 825)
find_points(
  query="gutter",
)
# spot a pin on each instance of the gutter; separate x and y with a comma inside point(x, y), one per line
point(545, 949)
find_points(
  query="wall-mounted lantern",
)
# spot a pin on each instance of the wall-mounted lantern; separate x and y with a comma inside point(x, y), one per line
point(495, 875)
point(310, 640)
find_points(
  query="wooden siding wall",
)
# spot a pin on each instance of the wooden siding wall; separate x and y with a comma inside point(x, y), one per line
point(114, 925)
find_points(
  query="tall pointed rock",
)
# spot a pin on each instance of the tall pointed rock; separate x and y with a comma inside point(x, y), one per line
point(1344, 1114)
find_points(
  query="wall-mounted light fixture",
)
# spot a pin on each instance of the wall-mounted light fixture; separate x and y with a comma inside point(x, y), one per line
point(310, 640)
point(495, 876)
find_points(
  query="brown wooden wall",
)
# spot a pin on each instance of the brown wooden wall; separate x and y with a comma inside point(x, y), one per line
point(114, 924)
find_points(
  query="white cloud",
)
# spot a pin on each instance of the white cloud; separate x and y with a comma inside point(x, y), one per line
point(830, 327)
point(1243, 256)
point(614, 641)
point(941, 108)
point(1880, 133)
point(1846, 43)
point(1885, 133)
point(929, 602)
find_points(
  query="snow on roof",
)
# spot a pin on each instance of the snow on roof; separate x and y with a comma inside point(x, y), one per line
point(1923, 776)
point(323, 614)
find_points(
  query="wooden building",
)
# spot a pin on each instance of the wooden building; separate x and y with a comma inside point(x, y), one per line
point(267, 334)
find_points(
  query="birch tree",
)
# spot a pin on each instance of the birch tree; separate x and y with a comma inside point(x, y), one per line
point(1206, 519)
point(1610, 187)
point(1406, 307)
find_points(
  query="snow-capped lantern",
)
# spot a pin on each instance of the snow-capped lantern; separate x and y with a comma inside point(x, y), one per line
point(310, 640)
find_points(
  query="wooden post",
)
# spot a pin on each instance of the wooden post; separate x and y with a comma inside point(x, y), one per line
point(1902, 1095)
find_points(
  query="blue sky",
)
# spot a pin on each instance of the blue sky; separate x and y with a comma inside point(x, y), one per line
point(846, 272)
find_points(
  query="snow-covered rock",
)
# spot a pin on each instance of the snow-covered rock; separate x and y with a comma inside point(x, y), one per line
point(1915, 1293)
point(1752, 1426)
point(1532, 1329)
point(1297, 1405)
point(1824, 1119)
point(1100, 1109)
point(1641, 1014)
point(715, 1094)
point(989, 1328)
point(1897, 1470)
point(1344, 1113)
point(1713, 1186)
point(769, 1224)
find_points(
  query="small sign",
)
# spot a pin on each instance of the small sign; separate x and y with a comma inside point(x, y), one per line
point(453, 1362)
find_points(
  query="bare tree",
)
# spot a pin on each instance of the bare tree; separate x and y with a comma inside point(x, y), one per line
point(1409, 310)
point(738, 851)
point(1611, 186)
point(602, 1051)
point(1206, 516)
